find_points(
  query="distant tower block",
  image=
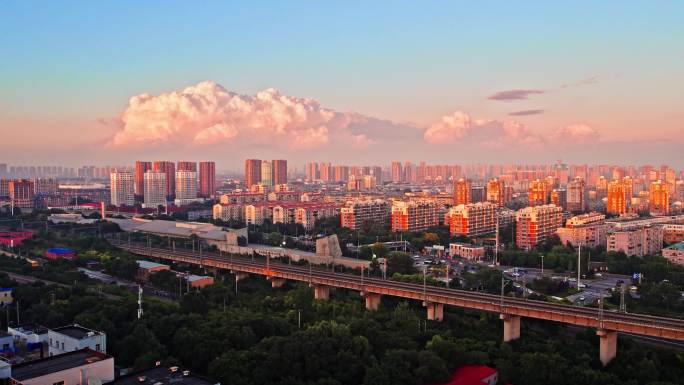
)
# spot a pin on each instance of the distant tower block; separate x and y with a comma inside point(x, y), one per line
point(328, 247)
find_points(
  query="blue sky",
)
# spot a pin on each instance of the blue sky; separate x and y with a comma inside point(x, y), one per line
point(405, 61)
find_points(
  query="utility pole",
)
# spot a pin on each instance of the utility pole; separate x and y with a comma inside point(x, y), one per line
point(579, 262)
point(542, 272)
point(496, 246)
point(425, 284)
point(140, 302)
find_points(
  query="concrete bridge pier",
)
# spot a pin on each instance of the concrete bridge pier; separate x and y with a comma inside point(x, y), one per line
point(511, 325)
point(372, 301)
point(435, 311)
point(239, 276)
point(277, 282)
point(608, 345)
point(321, 292)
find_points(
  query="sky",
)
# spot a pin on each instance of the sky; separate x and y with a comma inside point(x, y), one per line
point(85, 82)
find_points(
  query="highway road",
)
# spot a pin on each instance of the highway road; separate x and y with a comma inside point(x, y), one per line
point(623, 322)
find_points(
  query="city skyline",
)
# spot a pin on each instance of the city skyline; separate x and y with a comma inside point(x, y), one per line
point(588, 89)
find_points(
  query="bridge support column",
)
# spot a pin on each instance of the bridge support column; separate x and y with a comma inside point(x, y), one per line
point(239, 276)
point(372, 301)
point(321, 292)
point(608, 345)
point(511, 324)
point(435, 311)
point(277, 282)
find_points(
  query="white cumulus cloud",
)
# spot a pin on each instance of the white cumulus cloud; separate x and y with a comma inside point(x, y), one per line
point(207, 113)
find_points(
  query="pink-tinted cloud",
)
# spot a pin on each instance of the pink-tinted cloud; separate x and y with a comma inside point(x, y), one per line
point(207, 113)
point(460, 127)
point(449, 128)
point(526, 112)
point(516, 94)
point(584, 82)
point(361, 141)
point(575, 133)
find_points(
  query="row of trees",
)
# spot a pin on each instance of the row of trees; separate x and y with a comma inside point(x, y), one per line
point(262, 336)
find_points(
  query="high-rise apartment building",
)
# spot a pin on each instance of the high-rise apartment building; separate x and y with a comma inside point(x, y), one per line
point(534, 225)
point(140, 169)
point(414, 215)
point(207, 179)
point(358, 213)
point(473, 219)
point(462, 192)
point(397, 173)
point(45, 186)
point(169, 169)
point(325, 172)
point(186, 166)
point(21, 193)
point(576, 201)
point(340, 173)
point(252, 172)
point(186, 186)
point(155, 189)
point(312, 171)
point(538, 192)
point(279, 171)
point(617, 197)
point(498, 192)
point(122, 187)
point(659, 198)
point(266, 173)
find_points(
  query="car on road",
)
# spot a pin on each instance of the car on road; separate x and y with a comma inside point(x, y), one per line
point(582, 299)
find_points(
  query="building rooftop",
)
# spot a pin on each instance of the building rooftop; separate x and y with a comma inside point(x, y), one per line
point(149, 265)
point(193, 278)
point(163, 376)
point(31, 329)
point(76, 331)
point(58, 363)
point(677, 246)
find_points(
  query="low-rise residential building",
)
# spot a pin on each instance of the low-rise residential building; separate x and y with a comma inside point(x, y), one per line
point(147, 268)
point(242, 197)
point(675, 253)
point(160, 375)
point(414, 215)
point(75, 337)
point(256, 213)
point(228, 211)
point(673, 233)
point(6, 344)
point(356, 213)
point(473, 219)
point(647, 240)
point(534, 225)
point(30, 334)
point(587, 230)
point(199, 281)
point(77, 367)
point(467, 251)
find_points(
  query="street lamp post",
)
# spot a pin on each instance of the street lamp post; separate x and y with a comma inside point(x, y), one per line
point(542, 272)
